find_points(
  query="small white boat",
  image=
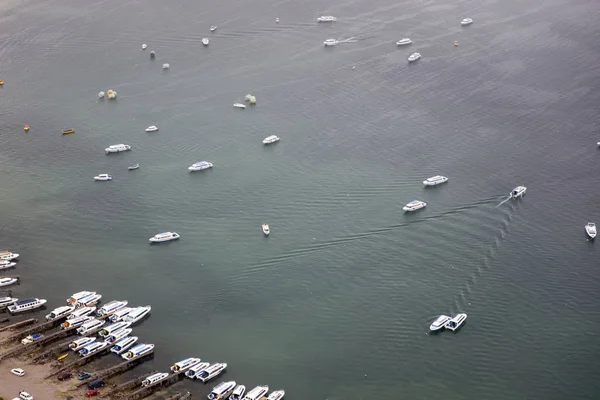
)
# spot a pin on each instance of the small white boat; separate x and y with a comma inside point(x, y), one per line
point(7, 301)
point(435, 180)
point(164, 237)
point(117, 148)
point(211, 372)
point(138, 350)
point(193, 371)
point(277, 20)
point(89, 301)
point(519, 191)
point(133, 167)
point(266, 230)
point(221, 391)
point(590, 229)
point(199, 166)
point(205, 41)
point(331, 42)
point(118, 316)
point(213, 28)
point(166, 66)
point(8, 256)
point(271, 139)
point(466, 21)
point(257, 393)
point(8, 281)
point(112, 328)
point(326, 18)
point(151, 128)
point(103, 177)
point(403, 42)
point(456, 322)
point(414, 57)
point(136, 315)
point(111, 308)
point(276, 395)
point(155, 378)
point(26, 305)
point(75, 297)
point(184, 364)
point(90, 326)
point(81, 312)
point(118, 335)
point(238, 393)
point(414, 205)
point(60, 312)
point(124, 344)
point(80, 343)
point(75, 322)
point(439, 323)
point(239, 105)
point(598, 144)
point(93, 348)
point(144, 46)
point(5, 264)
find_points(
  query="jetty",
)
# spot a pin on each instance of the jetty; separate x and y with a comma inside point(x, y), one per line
point(18, 325)
point(118, 369)
point(163, 383)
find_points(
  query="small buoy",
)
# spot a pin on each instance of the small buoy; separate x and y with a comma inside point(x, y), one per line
point(456, 43)
point(1, 83)
point(144, 46)
point(152, 54)
point(166, 66)
point(26, 128)
point(277, 20)
point(101, 95)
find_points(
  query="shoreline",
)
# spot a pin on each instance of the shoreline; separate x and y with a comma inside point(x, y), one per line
point(32, 382)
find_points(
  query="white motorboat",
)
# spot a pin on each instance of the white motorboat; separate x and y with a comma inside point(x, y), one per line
point(276, 395)
point(8, 256)
point(137, 351)
point(80, 312)
point(5, 264)
point(257, 393)
point(403, 41)
point(155, 378)
point(144, 46)
point(519, 191)
point(205, 41)
point(414, 205)
point(124, 344)
point(238, 393)
point(7, 301)
point(326, 18)
point(164, 237)
point(80, 343)
point(75, 322)
point(166, 66)
point(118, 335)
point(60, 312)
point(213, 28)
point(277, 20)
point(199, 166)
point(8, 281)
point(271, 139)
point(466, 21)
point(117, 148)
point(93, 348)
point(239, 105)
point(598, 144)
point(439, 323)
point(110, 329)
point(590, 229)
point(89, 301)
point(90, 326)
point(75, 297)
point(221, 391)
point(414, 57)
point(211, 372)
point(266, 230)
point(103, 177)
point(184, 364)
point(136, 315)
point(133, 167)
point(435, 180)
point(111, 308)
point(456, 322)
point(26, 305)
point(196, 369)
point(331, 42)
point(151, 128)
point(118, 316)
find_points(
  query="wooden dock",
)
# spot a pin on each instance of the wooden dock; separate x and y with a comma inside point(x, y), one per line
point(148, 390)
point(18, 325)
point(20, 348)
point(180, 396)
point(117, 369)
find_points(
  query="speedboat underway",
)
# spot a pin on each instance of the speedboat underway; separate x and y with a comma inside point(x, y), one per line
point(266, 230)
point(164, 237)
point(151, 128)
point(8, 281)
point(466, 21)
point(456, 322)
point(80, 343)
point(7, 301)
point(90, 326)
point(80, 312)
point(103, 177)
point(136, 315)
point(5, 264)
point(184, 364)
point(326, 18)
point(403, 41)
point(123, 344)
point(75, 322)
point(138, 350)
point(144, 46)
point(271, 139)
point(8, 256)
point(331, 42)
point(196, 369)
point(152, 379)
point(166, 66)
point(414, 57)
point(199, 166)
point(439, 323)
point(239, 105)
point(211, 372)
point(257, 393)
point(118, 316)
point(213, 28)
point(238, 393)
point(60, 312)
point(276, 395)
point(205, 41)
point(414, 205)
point(26, 305)
point(110, 329)
point(590, 229)
point(519, 191)
point(221, 391)
point(435, 180)
point(117, 148)
point(111, 308)
point(118, 335)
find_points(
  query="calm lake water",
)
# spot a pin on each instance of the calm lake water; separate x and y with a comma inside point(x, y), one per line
point(336, 303)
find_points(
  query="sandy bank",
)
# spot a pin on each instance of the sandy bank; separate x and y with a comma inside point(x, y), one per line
point(33, 381)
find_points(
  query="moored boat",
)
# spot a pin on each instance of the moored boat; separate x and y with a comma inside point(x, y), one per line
point(137, 351)
point(75, 322)
point(80, 312)
point(111, 308)
point(118, 316)
point(439, 323)
point(124, 344)
point(193, 371)
point(184, 364)
point(414, 205)
point(210, 372)
point(276, 395)
point(257, 393)
point(75, 297)
point(435, 180)
point(8, 281)
point(93, 348)
point(164, 237)
point(519, 191)
point(590, 229)
point(5, 264)
point(89, 301)
point(60, 312)
point(80, 343)
point(118, 335)
point(221, 391)
point(271, 139)
point(456, 322)
point(136, 315)
point(26, 305)
point(238, 392)
point(7, 301)
point(90, 326)
point(155, 378)
point(8, 256)
point(110, 329)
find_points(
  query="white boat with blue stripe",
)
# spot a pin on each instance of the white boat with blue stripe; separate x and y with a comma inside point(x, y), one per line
point(435, 180)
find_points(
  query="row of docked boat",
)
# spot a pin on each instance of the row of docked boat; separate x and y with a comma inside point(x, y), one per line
point(8, 259)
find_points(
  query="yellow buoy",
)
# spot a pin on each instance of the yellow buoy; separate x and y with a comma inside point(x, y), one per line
point(1, 83)
point(26, 128)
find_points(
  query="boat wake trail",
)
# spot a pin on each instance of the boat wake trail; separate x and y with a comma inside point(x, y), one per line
point(503, 201)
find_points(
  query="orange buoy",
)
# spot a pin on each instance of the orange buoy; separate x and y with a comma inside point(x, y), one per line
point(26, 128)
point(1, 83)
